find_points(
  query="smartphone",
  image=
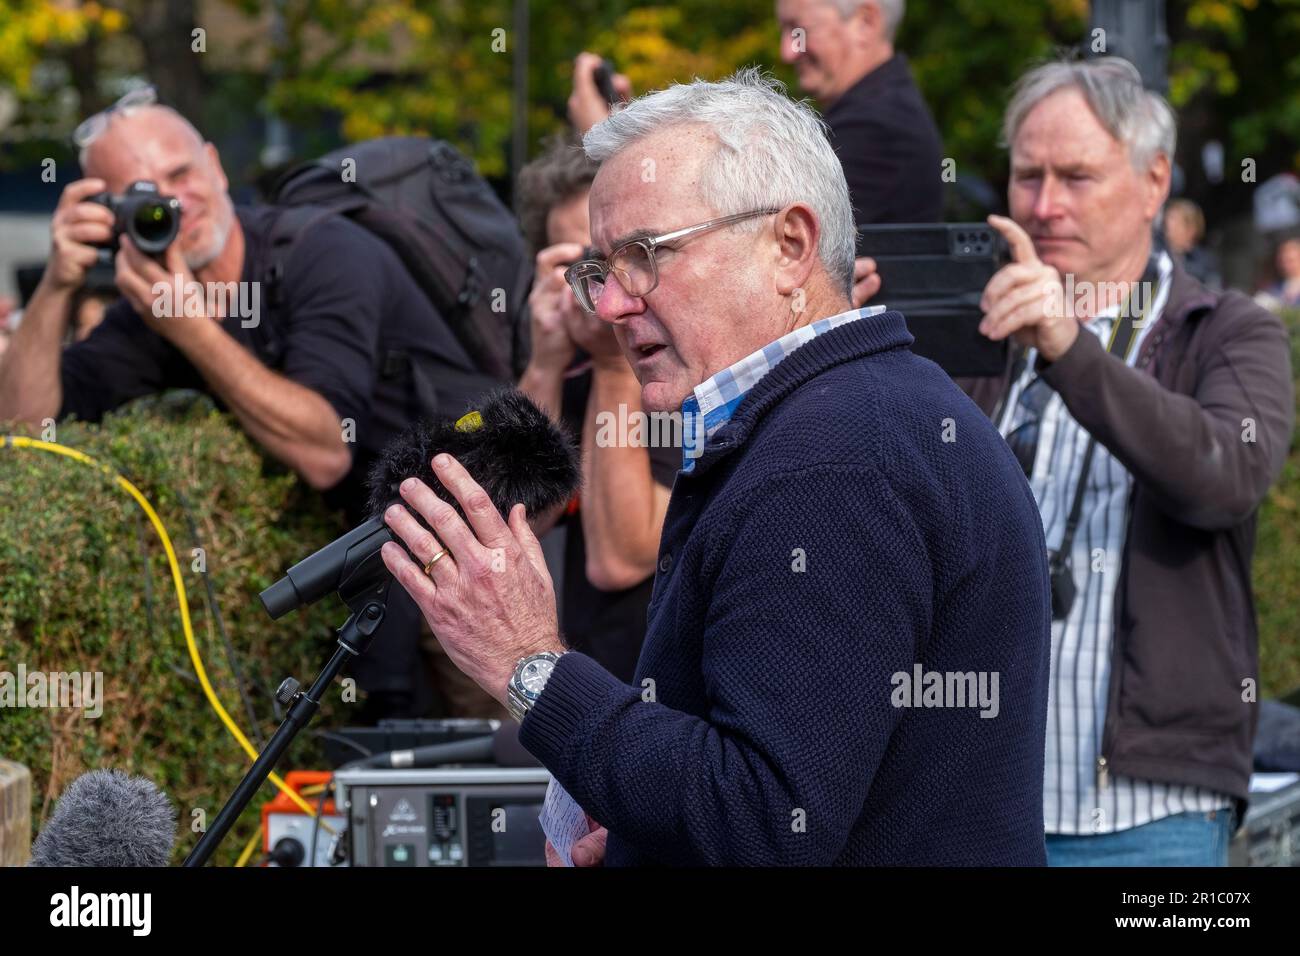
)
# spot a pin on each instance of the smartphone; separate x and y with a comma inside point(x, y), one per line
point(935, 274)
point(604, 77)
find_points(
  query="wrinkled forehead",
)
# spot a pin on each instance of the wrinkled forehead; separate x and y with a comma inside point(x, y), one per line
point(651, 186)
point(147, 143)
point(1062, 130)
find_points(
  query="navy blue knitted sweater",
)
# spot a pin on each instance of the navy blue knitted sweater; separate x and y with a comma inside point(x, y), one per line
point(857, 520)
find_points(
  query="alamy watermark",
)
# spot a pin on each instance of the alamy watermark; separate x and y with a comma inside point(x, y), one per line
point(638, 429)
point(64, 690)
point(133, 911)
point(1086, 298)
point(949, 689)
point(178, 298)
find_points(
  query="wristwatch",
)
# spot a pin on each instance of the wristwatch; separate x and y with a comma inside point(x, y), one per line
point(528, 682)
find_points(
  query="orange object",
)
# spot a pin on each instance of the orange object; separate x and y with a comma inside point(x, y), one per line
point(298, 780)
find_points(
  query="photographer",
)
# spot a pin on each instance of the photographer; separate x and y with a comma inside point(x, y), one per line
point(613, 540)
point(1149, 442)
point(302, 379)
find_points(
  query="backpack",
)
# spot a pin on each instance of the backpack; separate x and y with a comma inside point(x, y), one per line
point(457, 241)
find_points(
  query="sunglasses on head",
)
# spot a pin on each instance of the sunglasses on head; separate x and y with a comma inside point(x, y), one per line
point(91, 128)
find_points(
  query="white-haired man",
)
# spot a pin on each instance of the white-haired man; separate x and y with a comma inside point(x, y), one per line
point(1151, 415)
point(846, 659)
point(887, 141)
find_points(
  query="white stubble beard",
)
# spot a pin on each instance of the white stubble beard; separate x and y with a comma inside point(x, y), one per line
point(200, 258)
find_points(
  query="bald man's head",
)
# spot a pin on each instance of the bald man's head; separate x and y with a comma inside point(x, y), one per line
point(158, 144)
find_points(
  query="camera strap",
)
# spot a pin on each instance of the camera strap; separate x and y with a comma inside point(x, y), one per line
point(1121, 343)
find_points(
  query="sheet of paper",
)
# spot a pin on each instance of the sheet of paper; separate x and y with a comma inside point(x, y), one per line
point(1268, 782)
point(563, 821)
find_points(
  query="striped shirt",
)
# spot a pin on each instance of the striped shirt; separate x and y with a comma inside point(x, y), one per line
point(716, 399)
point(1073, 801)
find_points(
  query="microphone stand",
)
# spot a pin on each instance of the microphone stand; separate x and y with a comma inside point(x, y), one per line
point(354, 637)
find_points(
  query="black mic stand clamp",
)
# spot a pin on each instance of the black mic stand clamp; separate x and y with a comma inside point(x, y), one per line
point(354, 637)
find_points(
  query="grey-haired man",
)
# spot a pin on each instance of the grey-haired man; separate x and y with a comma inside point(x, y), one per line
point(1149, 442)
point(825, 551)
point(843, 53)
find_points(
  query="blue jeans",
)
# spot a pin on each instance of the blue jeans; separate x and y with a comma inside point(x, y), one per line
point(1184, 839)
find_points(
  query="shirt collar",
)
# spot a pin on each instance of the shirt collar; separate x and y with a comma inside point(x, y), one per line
point(1163, 267)
point(715, 400)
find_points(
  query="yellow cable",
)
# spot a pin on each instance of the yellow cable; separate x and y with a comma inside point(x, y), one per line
point(18, 441)
point(248, 848)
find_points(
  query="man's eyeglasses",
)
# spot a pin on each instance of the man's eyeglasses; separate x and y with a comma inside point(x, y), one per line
point(91, 128)
point(633, 263)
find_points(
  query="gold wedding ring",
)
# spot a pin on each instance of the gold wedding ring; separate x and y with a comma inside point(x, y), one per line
point(434, 560)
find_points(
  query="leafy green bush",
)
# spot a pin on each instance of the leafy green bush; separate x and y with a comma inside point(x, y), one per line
point(85, 586)
point(1277, 563)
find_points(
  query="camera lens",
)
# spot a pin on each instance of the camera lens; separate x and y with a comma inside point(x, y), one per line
point(152, 222)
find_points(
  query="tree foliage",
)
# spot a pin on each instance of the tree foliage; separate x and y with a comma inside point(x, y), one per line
point(445, 67)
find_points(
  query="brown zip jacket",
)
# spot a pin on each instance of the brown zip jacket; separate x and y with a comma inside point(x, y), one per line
point(1203, 423)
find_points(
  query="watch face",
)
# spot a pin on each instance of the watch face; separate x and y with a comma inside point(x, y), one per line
point(533, 675)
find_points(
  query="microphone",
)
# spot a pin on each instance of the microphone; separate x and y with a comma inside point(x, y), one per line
point(510, 447)
point(473, 750)
point(500, 748)
point(106, 818)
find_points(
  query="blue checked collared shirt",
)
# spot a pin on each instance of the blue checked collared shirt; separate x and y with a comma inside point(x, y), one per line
point(716, 399)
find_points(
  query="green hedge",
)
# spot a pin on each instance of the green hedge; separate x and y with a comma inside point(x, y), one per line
point(85, 586)
point(1277, 562)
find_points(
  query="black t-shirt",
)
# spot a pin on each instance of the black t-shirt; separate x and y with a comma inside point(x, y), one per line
point(889, 147)
point(606, 625)
point(347, 302)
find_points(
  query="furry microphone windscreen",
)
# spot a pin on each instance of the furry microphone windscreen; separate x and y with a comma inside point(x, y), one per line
point(509, 446)
point(107, 818)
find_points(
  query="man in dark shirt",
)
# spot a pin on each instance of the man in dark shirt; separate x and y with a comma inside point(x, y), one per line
point(882, 131)
point(327, 336)
point(305, 380)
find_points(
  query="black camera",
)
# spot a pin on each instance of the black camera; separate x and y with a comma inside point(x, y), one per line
point(150, 219)
point(1060, 572)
